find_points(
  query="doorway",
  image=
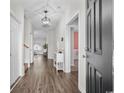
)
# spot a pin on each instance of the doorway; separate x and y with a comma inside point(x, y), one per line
point(74, 45)
point(72, 30)
point(74, 50)
point(71, 47)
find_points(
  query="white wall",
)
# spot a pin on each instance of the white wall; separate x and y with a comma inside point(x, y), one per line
point(75, 6)
point(28, 41)
point(31, 48)
point(19, 13)
point(51, 43)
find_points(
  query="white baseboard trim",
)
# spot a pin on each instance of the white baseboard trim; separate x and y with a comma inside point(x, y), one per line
point(82, 91)
point(15, 83)
point(67, 71)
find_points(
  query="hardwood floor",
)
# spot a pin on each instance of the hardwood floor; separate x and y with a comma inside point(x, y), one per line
point(43, 78)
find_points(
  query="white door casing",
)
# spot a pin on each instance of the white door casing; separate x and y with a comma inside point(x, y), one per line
point(82, 46)
point(14, 53)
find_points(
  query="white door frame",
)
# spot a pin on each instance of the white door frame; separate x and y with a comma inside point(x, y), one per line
point(68, 43)
point(82, 47)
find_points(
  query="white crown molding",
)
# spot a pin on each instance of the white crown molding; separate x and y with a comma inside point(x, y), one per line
point(12, 14)
point(74, 16)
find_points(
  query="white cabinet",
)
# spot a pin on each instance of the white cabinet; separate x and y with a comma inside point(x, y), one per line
point(59, 61)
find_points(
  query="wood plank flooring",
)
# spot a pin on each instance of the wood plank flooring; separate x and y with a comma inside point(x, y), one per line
point(43, 78)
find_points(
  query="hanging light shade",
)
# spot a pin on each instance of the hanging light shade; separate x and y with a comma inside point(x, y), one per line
point(45, 20)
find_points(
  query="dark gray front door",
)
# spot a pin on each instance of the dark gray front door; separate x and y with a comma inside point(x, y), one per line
point(99, 46)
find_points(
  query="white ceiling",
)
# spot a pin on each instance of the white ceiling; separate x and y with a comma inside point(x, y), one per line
point(34, 10)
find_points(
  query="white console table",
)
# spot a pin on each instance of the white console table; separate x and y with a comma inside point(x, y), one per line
point(59, 61)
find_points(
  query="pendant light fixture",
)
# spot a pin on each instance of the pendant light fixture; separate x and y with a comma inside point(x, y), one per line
point(45, 20)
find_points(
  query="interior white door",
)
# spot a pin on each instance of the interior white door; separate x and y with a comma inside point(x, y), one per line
point(11, 58)
point(14, 62)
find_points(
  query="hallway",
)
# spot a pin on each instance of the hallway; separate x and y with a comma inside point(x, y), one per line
point(43, 78)
point(44, 27)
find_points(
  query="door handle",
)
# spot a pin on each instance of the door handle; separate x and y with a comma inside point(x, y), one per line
point(85, 56)
point(86, 49)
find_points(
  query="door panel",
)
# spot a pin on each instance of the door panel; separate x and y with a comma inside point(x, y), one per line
point(89, 30)
point(98, 82)
point(97, 27)
point(99, 49)
point(14, 61)
point(11, 59)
